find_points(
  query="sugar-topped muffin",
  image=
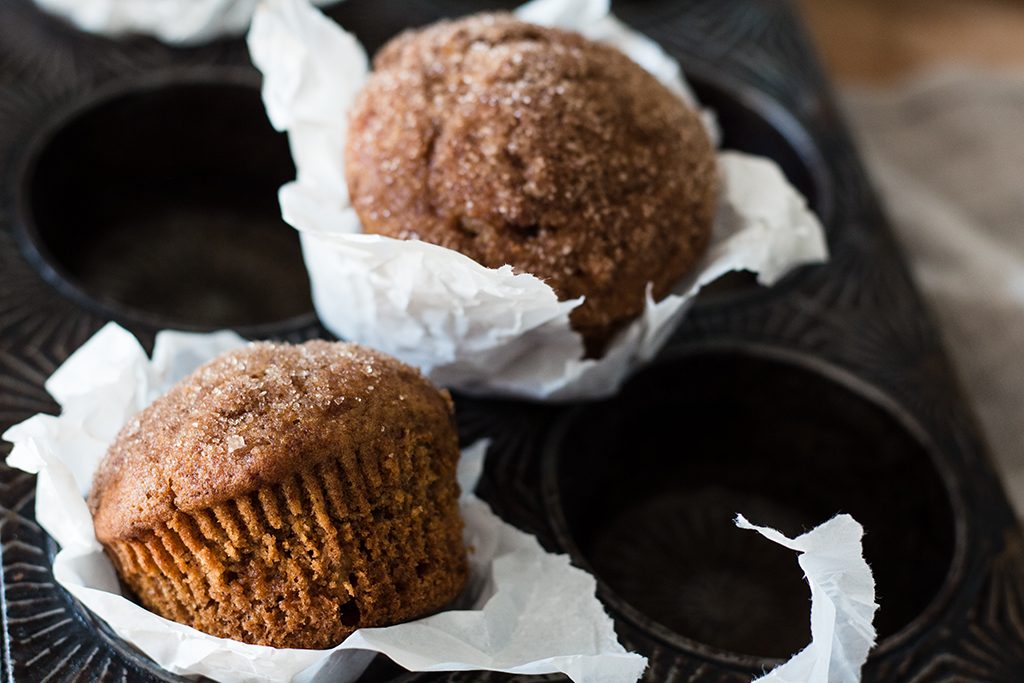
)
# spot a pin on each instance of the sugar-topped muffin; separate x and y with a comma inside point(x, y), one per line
point(287, 495)
point(514, 143)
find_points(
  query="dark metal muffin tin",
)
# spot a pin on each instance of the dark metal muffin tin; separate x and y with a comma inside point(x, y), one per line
point(138, 185)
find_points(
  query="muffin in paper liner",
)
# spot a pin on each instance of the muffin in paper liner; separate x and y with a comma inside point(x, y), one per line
point(524, 610)
point(287, 495)
point(184, 22)
point(483, 330)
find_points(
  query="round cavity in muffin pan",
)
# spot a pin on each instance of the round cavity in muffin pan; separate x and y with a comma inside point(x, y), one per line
point(751, 122)
point(643, 488)
point(158, 202)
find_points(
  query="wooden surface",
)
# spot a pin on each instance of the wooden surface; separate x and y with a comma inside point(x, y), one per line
point(879, 41)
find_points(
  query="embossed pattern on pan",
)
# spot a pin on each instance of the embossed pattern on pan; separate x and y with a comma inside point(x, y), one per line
point(856, 327)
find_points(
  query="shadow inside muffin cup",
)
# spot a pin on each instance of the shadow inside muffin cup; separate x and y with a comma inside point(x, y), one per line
point(642, 489)
point(157, 201)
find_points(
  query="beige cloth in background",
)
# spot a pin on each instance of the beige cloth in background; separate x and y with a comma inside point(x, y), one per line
point(946, 153)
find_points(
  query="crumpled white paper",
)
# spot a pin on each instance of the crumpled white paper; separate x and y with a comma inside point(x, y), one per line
point(486, 330)
point(842, 602)
point(182, 22)
point(531, 611)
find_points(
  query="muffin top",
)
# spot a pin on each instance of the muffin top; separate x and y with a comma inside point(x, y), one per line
point(252, 417)
point(515, 143)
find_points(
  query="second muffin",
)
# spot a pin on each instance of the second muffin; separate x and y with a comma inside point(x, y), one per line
point(288, 495)
point(532, 146)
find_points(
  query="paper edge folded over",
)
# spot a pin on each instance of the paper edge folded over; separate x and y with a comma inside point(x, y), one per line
point(193, 22)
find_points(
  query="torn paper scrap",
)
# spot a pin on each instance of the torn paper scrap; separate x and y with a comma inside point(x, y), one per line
point(842, 602)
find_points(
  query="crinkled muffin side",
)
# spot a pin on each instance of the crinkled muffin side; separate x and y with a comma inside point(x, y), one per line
point(287, 495)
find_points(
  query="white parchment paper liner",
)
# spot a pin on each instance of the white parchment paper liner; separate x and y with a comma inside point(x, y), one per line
point(183, 22)
point(485, 330)
point(532, 612)
point(842, 602)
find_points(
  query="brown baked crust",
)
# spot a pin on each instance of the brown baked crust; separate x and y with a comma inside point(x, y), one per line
point(514, 143)
point(287, 495)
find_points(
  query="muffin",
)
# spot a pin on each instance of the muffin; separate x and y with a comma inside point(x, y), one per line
point(514, 143)
point(286, 495)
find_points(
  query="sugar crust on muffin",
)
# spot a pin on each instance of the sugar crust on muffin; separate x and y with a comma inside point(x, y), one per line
point(514, 143)
point(287, 495)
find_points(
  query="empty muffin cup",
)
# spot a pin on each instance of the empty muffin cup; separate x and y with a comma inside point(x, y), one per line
point(643, 488)
point(157, 201)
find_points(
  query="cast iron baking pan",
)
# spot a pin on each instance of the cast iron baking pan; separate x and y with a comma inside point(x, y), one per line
point(139, 185)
